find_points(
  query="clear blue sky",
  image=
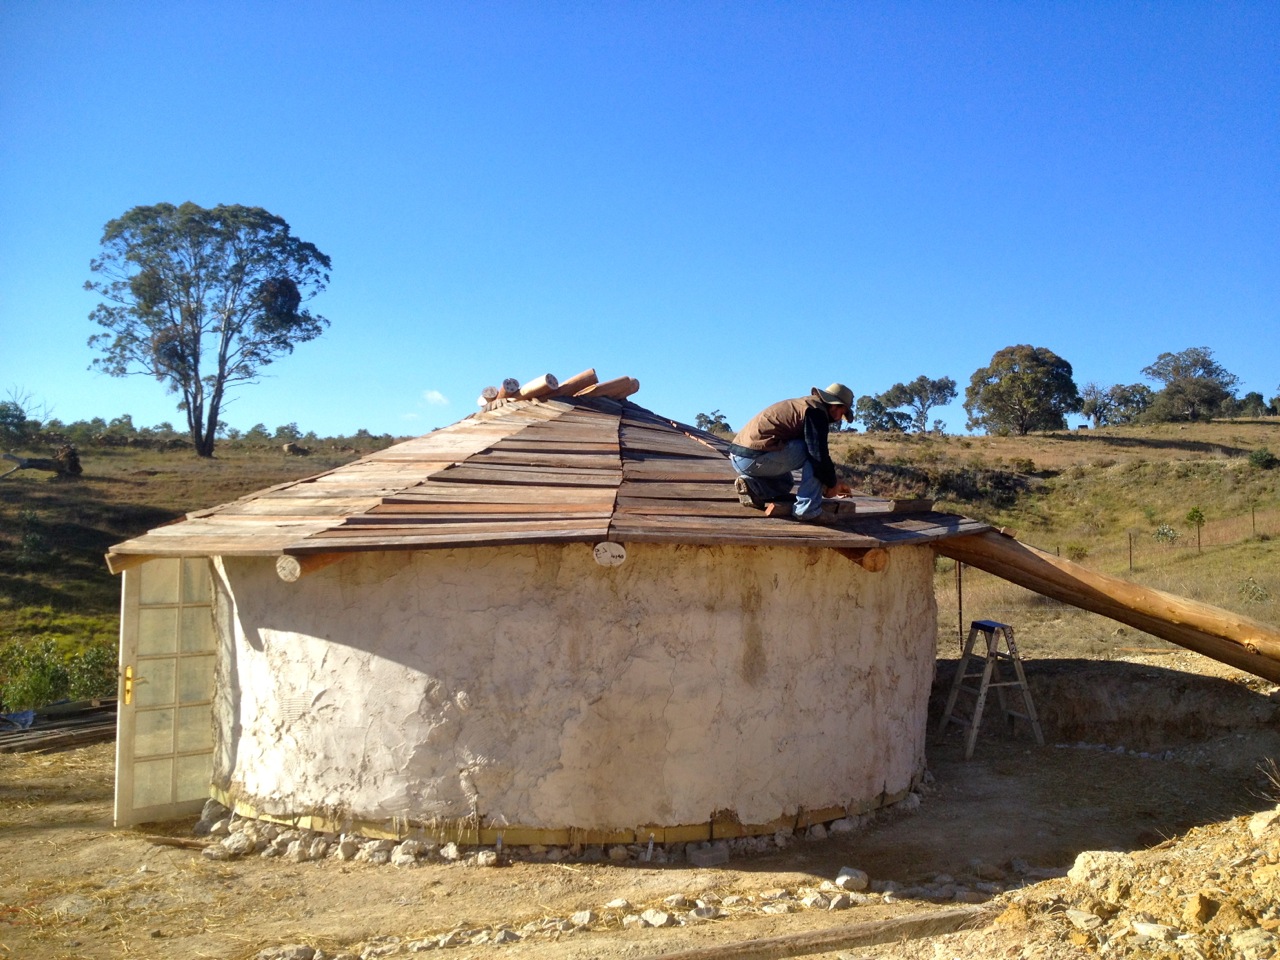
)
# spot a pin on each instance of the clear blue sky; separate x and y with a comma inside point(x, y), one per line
point(731, 202)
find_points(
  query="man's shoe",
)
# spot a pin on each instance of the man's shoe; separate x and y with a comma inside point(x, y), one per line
point(745, 496)
point(778, 508)
point(827, 516)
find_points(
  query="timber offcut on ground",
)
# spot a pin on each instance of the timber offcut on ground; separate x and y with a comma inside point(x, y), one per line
point(60, 726)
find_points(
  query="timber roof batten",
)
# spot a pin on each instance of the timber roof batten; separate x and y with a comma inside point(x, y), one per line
point(554, 468)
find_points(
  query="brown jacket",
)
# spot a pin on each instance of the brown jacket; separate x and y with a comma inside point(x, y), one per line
point(775, 425)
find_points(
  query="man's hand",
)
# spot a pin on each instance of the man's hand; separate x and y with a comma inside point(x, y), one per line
point(839, 490)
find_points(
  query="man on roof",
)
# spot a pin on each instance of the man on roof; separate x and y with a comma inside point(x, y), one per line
point(791, 435)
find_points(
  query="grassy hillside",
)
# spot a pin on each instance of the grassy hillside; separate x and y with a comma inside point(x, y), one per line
point(54, 532)
point(1096, 496)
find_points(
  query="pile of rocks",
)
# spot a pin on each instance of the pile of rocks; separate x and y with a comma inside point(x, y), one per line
point(675, 910)
point(1212, 894)
point(235, 837)
point(1186, 901)
point(850, 888)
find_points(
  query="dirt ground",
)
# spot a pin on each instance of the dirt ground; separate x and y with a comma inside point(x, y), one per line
point(1005, 826)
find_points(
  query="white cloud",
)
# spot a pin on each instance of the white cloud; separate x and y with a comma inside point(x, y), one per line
point(435, 398)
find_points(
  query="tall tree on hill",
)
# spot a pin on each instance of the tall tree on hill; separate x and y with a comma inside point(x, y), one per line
point(1096, 404)
point(1117, 404)
point(920, 396)
point(877, 418)
point(1133, 400)
point(202, 300)
point(1024, 388)
point(1252, 404)
point(1195, 385)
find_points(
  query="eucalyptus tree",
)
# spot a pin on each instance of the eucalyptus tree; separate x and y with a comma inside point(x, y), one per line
point(1024, 388)
point(202, 300)
point(919, 397)
point(1195, 384)
point(872, 413)
point(1118, 404)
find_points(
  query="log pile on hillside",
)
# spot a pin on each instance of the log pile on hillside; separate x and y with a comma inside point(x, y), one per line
point(65, 462)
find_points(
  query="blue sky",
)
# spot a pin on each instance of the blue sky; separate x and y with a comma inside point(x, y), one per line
point(731, 202)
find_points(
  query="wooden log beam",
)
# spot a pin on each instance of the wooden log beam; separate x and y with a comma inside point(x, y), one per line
point(1231, 638)
point(617, 389)
point(576, 383)
point(543, 386)
point(291, 569)
point(913, 926)
point(872, 559)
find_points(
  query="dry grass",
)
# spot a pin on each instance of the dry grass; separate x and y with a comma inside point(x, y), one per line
point(80, 781)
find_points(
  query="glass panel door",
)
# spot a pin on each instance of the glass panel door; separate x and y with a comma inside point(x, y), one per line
point(164, 735)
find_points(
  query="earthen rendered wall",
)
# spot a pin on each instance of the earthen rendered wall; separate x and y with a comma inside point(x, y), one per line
point(530, 687)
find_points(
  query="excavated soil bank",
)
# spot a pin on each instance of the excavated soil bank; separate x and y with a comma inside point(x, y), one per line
point(1012, 816)
point(1143, 707)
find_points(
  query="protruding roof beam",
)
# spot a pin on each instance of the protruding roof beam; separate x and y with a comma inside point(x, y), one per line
point(291, 569)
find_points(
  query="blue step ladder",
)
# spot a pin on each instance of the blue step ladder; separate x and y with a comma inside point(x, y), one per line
point(990, 667)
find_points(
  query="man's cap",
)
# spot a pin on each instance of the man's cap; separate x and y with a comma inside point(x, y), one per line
point(837, 393)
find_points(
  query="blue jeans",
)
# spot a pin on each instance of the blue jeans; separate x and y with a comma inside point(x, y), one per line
point(769, 477)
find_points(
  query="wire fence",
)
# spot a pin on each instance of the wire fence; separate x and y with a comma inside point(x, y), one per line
point(1164, 542)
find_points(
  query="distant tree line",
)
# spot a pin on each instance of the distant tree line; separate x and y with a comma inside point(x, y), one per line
point(1025, 389)
point(25, 425)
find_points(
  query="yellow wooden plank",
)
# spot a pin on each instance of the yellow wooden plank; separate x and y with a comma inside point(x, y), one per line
point(807, 818)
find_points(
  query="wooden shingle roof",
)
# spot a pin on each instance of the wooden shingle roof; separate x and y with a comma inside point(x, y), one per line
point(569, 469)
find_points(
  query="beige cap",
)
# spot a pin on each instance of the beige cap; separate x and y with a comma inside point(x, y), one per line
point(837, 393)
